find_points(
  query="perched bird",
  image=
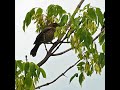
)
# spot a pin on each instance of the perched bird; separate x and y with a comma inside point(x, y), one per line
point(45, 36)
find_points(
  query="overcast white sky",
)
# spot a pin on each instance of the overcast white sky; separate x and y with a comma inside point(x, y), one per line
point(55, 65)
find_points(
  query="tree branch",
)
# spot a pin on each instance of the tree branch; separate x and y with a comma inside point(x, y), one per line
point(54, 42)
point(102, 30)
point(46, 48)
point(58, 76)
point(57, 42)
point(48, 54)
point(62, 52)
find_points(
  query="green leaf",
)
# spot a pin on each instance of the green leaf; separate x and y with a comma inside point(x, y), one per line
point(32, 69)
point(24, 25)
point(97, 68)
point(26, 68)
point(51, 10)
point(28, 19)
point(87, 38)
point(64, 20)
point(81, 63)
point(80, 55)
point(32, 12)
point(15, 66)
point(101, 38)
point(20, 65)
point(92, 14)
point(43, 72)
point(38, 70)
point(81, 78)
point(81, 34)
point(60, 10)
point(103, 47)
point(100, 16)
point(87, 67)
point(75, 75)
point(76, 22)
point(101, 59)
point(89, 73)
point(39, 11)
point(28, 81)
point(86, 7)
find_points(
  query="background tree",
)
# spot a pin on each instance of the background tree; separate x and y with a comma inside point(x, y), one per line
point(76, 29)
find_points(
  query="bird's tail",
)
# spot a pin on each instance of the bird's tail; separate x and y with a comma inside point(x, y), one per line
point(34, 50)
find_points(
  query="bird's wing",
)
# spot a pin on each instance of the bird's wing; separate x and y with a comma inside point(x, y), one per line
point(40, 35)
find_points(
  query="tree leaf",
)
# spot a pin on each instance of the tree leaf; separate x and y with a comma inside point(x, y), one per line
point(39, 11)
point(75, 75)
point(32, 69)
point(38, 70)
point(81, 78)
point(97, 68)
point(81, 63)
point(26, 68)
point(92, 14)
point(20, 65)
point(60, 10)
point(101, 60)
point(24, 25)
point(87, 67)
point(87, 38)
point(28, 19)
point(64, 20)
point(100, 16)
point(28, 81)
point(101, 38)
point(51, 10)
point(43, 72)
point(103, 47)
point(32, 12)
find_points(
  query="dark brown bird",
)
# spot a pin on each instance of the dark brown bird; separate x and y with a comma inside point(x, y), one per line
point(45, 36)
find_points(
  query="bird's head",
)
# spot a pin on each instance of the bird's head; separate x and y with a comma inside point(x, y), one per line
point(54, 25)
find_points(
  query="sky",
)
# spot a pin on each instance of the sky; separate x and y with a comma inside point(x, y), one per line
point(55, 65)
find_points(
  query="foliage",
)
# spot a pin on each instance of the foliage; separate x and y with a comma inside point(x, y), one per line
point(82, 27)
point(27, 75)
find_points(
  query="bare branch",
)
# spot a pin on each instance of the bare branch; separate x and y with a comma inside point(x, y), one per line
point(48, 54)
point(56, 48)
point(58, 76)
point(62, 52)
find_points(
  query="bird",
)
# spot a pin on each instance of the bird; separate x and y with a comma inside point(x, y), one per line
point(44, 36)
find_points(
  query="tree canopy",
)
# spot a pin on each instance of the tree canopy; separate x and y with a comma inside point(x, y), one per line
point(76, 29)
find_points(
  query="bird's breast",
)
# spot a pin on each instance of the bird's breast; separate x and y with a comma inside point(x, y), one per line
point(49, 35)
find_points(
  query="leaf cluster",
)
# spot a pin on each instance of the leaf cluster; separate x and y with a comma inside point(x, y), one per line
point(27, 75)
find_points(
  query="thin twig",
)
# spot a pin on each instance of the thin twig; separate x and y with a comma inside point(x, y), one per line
point(58, 76)
point(46, 48)
point(54, 42)
point(26, 58)
point(56, 54)
point(56, 48)
point(103, 29)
